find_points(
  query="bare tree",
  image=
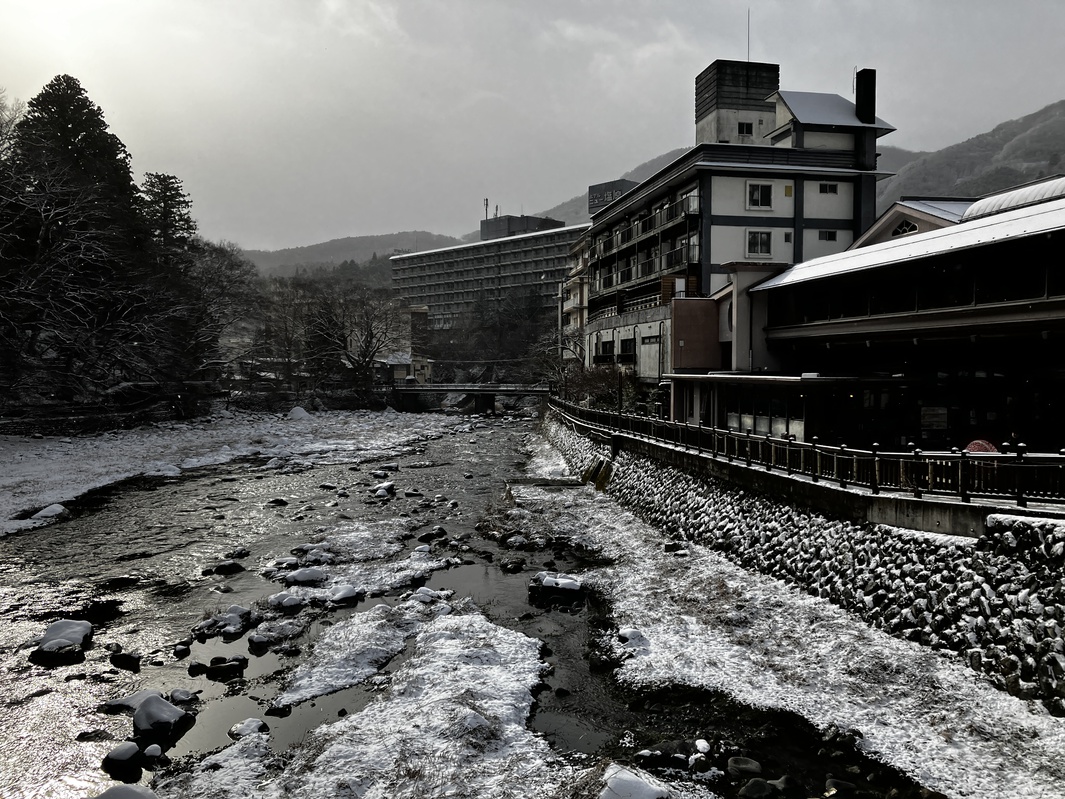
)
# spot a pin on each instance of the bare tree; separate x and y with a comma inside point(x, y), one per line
point(351, 326)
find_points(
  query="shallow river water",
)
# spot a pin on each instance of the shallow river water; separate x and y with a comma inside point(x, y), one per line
point(132, 561)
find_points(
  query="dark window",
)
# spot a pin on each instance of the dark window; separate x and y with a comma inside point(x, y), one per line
point(829, 188)
point(759, 242)
point(746, 128)
point(826, 235)
point(759, 195)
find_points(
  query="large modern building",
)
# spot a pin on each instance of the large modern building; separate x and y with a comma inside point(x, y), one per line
point(452, 282)
point(776, 177)
point(937, 338)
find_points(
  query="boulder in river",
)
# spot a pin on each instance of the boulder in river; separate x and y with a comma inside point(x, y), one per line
point(123, 762)
point(156, 720)
point(64, 642)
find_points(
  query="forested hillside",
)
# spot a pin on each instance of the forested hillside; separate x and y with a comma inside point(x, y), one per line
point(356, 249)
point(1015, 152)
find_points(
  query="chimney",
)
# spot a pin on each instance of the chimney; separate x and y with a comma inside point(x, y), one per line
point(865, 96)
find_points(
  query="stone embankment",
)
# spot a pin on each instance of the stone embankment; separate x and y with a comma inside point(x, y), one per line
point(998, 600)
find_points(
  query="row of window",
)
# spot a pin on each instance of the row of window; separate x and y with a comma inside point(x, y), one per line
point(760, 242)
point(760, 195)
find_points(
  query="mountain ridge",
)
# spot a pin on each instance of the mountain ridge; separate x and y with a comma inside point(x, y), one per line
point(1013, 152)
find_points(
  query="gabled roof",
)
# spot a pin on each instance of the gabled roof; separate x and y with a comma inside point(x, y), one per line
point(819, 108)
point(926, 213)
point(1019, 223)
point(947, 209)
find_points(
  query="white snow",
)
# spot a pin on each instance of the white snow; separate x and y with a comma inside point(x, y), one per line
point(451, 719)
point(39, 473)
point(626, 783)
point(66, 632)
point(250, 726)
point(703, 621)
point(51, 512)
point(127, 792)
point(348, 653)
point(155, 715)
point(451, 723)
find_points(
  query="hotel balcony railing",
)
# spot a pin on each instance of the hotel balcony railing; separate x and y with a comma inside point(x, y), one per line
point(1016, 476)
point(650, 224)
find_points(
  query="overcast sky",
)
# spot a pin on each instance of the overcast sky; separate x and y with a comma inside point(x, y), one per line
point(293, 122)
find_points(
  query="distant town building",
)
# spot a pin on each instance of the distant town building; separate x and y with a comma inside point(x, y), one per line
point(499, 227)
point(451, 282)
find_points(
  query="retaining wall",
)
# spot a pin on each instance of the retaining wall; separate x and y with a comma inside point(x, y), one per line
point(997, 600)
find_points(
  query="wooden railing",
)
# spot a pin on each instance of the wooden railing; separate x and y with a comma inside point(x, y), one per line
point(1017, 476)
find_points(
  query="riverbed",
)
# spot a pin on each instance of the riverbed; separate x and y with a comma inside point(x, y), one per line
point(433, 675)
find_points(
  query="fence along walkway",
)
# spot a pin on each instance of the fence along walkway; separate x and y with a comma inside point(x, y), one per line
point(1016, 476)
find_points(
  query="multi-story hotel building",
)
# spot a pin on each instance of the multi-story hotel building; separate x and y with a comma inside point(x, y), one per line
point(451, 282)
point(775, 177)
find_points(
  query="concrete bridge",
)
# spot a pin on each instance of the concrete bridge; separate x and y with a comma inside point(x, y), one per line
point(484, 393)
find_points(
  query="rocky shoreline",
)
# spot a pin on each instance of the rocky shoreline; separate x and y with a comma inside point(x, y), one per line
point(997, 601)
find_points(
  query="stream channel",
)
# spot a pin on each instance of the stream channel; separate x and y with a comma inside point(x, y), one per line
point(132, 558)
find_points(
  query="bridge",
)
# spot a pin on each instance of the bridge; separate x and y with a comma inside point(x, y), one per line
point(484, 393)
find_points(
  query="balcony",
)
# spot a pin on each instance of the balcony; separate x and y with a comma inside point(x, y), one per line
point(683, 255)
point(648, 226)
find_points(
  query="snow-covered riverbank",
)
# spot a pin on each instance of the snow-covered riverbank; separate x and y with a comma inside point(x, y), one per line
point(449, 720)
point(38, 472)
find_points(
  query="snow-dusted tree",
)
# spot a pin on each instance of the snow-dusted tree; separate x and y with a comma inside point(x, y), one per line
point(72, 275)
point(350, 327)
point(167, 211)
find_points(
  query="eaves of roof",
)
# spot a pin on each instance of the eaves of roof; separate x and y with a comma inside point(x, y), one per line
point(1020, 223)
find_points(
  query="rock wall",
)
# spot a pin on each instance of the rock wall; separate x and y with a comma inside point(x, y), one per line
point(998, 600)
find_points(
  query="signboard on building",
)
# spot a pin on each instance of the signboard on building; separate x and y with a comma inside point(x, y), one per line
point(602, 194)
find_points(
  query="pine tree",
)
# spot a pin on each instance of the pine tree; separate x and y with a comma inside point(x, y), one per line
point(63, 129)
point(166, 209)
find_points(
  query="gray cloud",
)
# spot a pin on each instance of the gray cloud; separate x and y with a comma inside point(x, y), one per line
point(296, 122)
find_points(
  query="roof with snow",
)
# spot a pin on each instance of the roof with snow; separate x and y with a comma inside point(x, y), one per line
point(1015, 224)
point(1031, 194)
point(550, 232)
point(820, 108)
point(950, 210)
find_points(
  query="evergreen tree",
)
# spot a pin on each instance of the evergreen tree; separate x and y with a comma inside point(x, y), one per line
point(166, 209)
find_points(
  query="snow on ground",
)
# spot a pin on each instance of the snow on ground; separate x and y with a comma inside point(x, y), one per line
point(40, 472)
point(452, 717)
point(450, 723)
point(351, 651)
point(706, 622)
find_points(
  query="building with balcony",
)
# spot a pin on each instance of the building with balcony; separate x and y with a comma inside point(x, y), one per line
point(775, 178)
point(451, 282)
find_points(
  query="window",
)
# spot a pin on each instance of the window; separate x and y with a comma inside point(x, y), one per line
point(746, 128)
point(759, 195)
point(826, 235)
point(787, 237)
point(904, 227)
point(829, 188)
point(759, 243)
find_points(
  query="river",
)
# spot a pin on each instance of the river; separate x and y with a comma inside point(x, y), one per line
point(425, 507)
